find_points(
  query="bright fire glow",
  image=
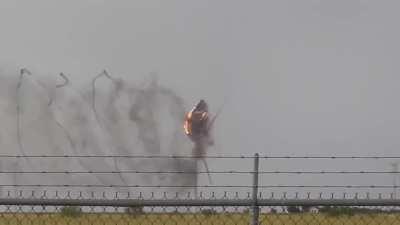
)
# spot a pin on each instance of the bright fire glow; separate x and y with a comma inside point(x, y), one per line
point(187, 125)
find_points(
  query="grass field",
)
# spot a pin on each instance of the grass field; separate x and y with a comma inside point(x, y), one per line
point(183, 219)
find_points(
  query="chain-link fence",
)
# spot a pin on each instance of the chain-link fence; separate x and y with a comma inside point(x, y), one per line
point(264, 201)
point(67, 210)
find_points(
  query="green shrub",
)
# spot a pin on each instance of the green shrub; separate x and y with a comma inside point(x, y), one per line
point(335, 211)
point(71, 211)
point(208, 212)
point(273, 211)
point(134, 210)
point(293, 209)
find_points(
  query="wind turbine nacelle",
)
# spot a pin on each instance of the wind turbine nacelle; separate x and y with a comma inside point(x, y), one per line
point(197, 125)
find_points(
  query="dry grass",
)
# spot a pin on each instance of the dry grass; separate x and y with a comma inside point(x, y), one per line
point(183, 219)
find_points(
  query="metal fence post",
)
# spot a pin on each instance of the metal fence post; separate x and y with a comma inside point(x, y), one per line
point(256, 210)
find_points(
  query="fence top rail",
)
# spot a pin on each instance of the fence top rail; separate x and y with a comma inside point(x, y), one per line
point(298, 172)
point(197, 157)
point(198, 202)
point(200, 186)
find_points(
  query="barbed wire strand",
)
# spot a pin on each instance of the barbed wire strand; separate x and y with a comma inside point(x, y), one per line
point(199, 172)
point(195, 157)
point(201, 186)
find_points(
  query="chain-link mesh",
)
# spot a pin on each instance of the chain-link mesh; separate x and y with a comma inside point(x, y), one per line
point(118, 215)
point(197, 215)
point(98, 208)
point(330, 215)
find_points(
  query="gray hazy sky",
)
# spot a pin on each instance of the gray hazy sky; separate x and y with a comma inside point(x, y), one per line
point(301, 77)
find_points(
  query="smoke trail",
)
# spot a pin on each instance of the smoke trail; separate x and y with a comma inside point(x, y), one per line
point(97, 116)
point(94, 96)
point(19, 135)
point(93, 120)
point(145, 113)
point(59, 124)
point(66, 81)
point(19, 138)
point(105, 74)
point(72, 143)
point(19, 109)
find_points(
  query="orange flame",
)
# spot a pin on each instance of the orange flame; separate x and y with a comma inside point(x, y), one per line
point(187, 126)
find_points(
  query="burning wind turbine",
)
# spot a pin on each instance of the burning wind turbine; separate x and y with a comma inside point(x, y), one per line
point(197, 127)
